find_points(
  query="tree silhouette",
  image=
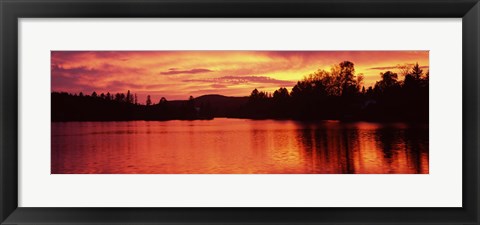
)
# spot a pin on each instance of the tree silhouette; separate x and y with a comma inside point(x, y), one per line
point(404, 69)
point(347, 78)
point(389, 80)
point(416, 72)
point(129, 98)
point(149, 101)
point(281, 94)
point(163, 101)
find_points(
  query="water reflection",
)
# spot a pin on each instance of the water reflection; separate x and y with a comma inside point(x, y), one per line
point(237, 146)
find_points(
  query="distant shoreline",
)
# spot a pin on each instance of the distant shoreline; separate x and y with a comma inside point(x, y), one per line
point(254, 119)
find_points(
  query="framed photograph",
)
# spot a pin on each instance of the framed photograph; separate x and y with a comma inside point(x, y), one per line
point(254, 112)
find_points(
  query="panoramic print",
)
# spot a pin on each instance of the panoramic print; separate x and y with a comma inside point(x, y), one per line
point(239, 112)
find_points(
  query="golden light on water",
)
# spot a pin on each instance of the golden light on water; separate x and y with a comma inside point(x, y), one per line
point(242, 147)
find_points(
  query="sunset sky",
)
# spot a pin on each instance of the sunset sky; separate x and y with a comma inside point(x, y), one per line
point(178, 74)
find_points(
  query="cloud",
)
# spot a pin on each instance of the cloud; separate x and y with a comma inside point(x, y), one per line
point(175, 71)
point(256, 79)
point(58, 70)
point(235, 80)
point(218, 86)
point(88, 79)
point(121, 85)
point(99, 71)
point(391, 67)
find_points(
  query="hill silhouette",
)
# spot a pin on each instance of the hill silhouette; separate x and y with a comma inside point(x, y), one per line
point(221, 106)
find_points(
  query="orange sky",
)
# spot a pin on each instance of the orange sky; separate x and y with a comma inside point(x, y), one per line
point(179, 74)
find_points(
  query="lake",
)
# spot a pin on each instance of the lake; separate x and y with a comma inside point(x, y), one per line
point(238, 146)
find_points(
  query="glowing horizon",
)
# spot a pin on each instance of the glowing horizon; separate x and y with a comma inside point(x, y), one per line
point(176, 75)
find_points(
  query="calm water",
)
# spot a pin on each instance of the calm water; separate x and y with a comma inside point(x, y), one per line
point(228, 146)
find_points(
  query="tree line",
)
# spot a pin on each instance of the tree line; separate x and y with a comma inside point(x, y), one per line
point(338, 94)
point(120, 107)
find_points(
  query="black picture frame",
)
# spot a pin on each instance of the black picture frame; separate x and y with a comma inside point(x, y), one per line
point(12, 10)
